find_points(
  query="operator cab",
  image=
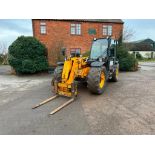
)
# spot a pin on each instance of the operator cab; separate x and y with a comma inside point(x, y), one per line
point(102, 48)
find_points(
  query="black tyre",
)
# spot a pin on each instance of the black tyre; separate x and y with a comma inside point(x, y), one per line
point(115, 75)
point(57, 74)
point(97, 79)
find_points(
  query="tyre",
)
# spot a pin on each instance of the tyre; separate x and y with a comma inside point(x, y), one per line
point(57, 74)
point(115, 75)
point(97, 79)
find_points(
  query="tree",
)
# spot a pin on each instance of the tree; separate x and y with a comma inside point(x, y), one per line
point(27, 55)
point(4, 53)
point(127, 61)
point(56, 54)
point(128, 34)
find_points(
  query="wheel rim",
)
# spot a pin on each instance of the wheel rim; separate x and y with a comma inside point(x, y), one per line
point(102, 80)
point(117, 72)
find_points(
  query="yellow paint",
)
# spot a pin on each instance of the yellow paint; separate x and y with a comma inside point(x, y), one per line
point(102, 80)
point(66, 70)
point(73, 67)
point(117, 72)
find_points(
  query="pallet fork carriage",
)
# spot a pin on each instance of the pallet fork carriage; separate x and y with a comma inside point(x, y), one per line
point(94, 71)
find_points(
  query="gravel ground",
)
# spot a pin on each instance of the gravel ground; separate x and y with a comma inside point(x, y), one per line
point(126, 107)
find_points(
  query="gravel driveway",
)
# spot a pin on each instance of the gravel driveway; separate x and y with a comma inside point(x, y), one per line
point(126, 107)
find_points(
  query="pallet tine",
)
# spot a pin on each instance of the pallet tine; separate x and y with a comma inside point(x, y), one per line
point(45, 101)
point(62, 106)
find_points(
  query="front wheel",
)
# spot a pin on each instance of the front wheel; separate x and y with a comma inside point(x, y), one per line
point(57, 74)
point(97, 79)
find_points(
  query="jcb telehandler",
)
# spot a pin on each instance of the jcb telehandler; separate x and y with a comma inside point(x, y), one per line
point(101, 66)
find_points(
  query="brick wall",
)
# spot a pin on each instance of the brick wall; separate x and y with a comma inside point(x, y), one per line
point(58, 32)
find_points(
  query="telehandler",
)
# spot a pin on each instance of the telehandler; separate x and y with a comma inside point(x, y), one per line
point(101, 66)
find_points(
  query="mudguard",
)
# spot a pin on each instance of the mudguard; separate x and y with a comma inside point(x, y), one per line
point(97, 64)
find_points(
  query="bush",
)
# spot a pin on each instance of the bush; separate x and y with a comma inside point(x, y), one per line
point(128, 64)
point(28, 66)
point(1, 59)
point(127, 61)
point(27, 55)
point(139, 56)
point(122, 52)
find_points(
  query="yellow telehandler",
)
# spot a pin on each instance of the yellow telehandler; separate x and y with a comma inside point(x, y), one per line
point(95, 70)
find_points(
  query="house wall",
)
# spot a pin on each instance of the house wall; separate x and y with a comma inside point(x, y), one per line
point(145, 54)
point(58, 33)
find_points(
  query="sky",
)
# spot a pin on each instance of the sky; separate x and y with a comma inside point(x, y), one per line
point(10, 29)
point(143, 28)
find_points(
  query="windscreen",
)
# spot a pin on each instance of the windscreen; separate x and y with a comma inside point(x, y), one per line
point(99, 48)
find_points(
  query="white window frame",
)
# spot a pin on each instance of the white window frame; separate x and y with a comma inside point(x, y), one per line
point(75, 29)
point(43, 28)
point(75, 50)
point(107, 30)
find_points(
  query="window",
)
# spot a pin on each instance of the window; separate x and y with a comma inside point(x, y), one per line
point(43, 28)
point(75, 50)
point(107, 30)
point(76, 29)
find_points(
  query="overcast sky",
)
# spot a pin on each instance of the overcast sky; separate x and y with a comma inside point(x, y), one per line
point(11, 29)
point(143, 28)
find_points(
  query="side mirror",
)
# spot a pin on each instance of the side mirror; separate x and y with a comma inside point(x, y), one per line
point(63, 51)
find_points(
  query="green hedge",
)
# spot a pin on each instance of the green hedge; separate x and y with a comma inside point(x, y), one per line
point(27, 55)
point(127, 61)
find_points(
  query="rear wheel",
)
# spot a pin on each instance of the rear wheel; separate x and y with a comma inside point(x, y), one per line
point(115, 75)
point(97, 80)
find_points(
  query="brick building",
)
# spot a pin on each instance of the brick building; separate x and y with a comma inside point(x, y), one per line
point(73, 34)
